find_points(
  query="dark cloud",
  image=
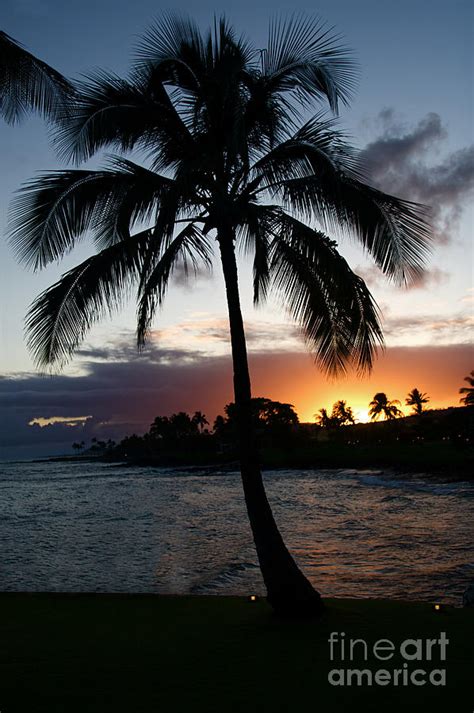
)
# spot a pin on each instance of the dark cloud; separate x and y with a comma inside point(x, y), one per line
point(122, 390)
point(398, 162)
point(389, 154)
point(124, 349)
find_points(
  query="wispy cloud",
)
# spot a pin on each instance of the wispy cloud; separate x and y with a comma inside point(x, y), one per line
point(469, 296)
point(400, 161)
point(71, 421)
point(208, 334)
point(374, 277)
point(188, 279)
point(451, 329)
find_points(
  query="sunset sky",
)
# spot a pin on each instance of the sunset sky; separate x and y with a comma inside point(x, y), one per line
point(412, 118)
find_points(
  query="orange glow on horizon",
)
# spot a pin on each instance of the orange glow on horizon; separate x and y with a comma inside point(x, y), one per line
point(294, 379)
point(361, 414)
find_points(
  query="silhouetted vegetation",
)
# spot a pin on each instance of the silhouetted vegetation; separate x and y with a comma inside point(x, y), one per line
point(96, 448)
point(468, 391)
point(439, 442)
point(183, 438)
point(381, 406)
point(416, 399)
point(431, 441)
point(272, 421)
point(341, 415)
point(27, 84)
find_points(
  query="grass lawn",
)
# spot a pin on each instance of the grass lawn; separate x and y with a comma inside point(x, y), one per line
point(66, 653)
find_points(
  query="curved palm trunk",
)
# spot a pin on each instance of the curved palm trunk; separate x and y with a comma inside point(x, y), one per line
point(288, 590)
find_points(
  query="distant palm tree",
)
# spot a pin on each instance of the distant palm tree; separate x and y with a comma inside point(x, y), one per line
point(380, 405)
point(229, 160)
point(468, 399)
point(200, 420)
point(416, 399)
point(323, 418)
point(219, 426)
point(343, 413)
point(28, 84)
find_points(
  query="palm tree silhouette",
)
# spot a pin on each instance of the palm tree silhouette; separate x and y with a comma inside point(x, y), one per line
point(381, 405)
point(341, 415)
point(323, 419)
point(468, 399)
point(416, 399)
point(28, 84)
point(200, 420)
point(228, 158)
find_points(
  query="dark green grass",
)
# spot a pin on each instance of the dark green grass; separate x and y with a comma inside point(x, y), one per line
point(66, 653)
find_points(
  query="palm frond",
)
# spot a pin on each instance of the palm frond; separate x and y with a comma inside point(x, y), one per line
point(318, 176)
point(139, 196)
point(53, 210)
point(28, 84)
point(109, 111)
point(60, 317)
point(308, 59)
point(188, 249)
point(395, 232)
point(255, 235)
point(268, 118)
point(332, 304)
point(174, 38)
point(316, 149)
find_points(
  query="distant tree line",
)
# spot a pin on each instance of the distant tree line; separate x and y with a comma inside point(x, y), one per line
point(382, 406)
point(277, 426)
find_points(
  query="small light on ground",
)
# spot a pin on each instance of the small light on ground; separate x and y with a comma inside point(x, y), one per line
point(253, 598)
point(437, 607)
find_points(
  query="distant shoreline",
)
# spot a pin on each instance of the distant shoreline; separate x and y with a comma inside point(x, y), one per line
point(437, 470)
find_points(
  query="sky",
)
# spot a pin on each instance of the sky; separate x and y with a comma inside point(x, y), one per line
point(411, 118)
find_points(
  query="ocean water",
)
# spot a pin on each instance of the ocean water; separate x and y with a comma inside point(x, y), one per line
point(98, 527)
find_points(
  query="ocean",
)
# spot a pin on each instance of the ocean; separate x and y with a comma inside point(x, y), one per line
point(95, 527)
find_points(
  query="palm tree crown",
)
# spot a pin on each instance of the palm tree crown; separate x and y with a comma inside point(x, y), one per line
point(380, 405)
point(200, 420)
point(416, 399)
point(468, 391)
point(341, 415)
point(227, 152)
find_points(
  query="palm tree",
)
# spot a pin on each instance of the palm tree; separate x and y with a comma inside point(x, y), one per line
point(200, 420)
point(28, 84)
point(416, 399)
point(468, 399)
point(342, 413)
point(228, 164)
point(323, 419)
point(381, 405)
